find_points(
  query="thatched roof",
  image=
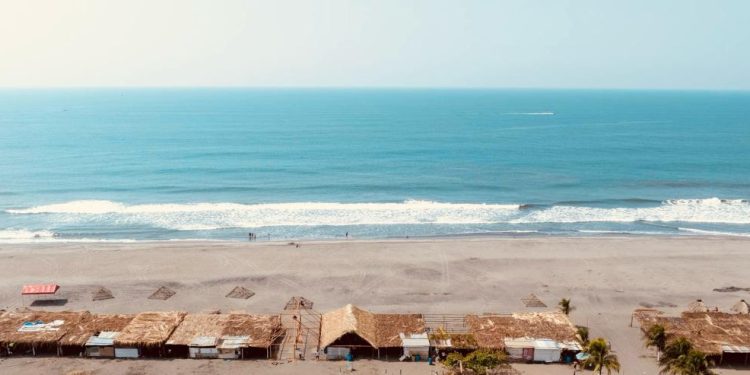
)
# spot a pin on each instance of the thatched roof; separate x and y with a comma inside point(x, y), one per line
point(10, 322)
point(379, 330)
point(163, 293)
point(196, 325)
point(490, 331)
point(532, 301)
point(149, 329)
point(708, 331)
point(697, 306)
point(240, 292)
point(94, 324)
point(102, 294)
point(298, 303)
point(741, 307)
point(260, 329)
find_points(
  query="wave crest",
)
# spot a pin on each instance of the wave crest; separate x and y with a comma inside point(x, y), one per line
point(208, 216)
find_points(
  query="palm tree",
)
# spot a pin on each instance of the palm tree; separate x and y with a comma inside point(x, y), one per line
point(674, 354)
point(656, 337)
point(600, 358)
point(680, 358)
point(565, 306)
point(583, 335)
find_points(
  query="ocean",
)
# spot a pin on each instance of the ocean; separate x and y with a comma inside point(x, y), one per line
point(179, 164)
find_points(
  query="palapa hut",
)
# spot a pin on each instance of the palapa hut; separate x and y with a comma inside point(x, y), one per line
point(697, 306)
point(362, 333)
point(724, 337)
point(37, 332)
point(227, 336)
point(741, 307)
point(146, 334)
point(94, 335)
point(532, 337)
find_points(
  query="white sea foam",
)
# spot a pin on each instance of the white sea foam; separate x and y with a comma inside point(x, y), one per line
point(713, 232)
point(711, 210)
point(208, 216)
point(24, 234)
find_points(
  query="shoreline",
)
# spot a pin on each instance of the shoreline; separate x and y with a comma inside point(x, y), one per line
point(447, 237)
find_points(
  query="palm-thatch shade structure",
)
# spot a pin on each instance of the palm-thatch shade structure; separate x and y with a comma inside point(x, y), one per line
point(80, 335)
point(146, 334)
point(741, 307)
point(101, 294)
point(240, 292)
point(227, 336)
point(298, 303)
point(360, 332)
point(697, 306)
point(538, 336)
point(163, 293)
point(35, 332)
point(723, 336)
point(532, 301)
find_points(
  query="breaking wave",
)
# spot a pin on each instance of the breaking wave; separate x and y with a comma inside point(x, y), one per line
point(208, 216)
point(24, 234)
point(211, 216)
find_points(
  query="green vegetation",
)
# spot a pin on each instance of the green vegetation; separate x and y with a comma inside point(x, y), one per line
point(583, 335)
point(565, 306)
point(656, 337)
point(600, 358)
point(680, 358)
point(478, 361)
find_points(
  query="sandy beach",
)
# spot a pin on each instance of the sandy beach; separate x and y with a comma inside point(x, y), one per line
point(606, 278)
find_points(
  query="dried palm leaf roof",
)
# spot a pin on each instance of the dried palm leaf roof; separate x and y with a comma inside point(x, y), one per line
point(708, 331)
point(149, 329)
point(102, 294)
point(10, 322)
point(240, 292)
point(741, 307)
point(532, 301)
point(94, 324)
point(697, 306)
point(163, 293)
point(379, 330)
point(260, 329)
point(298, 303)
point(646, 316)
point(197, 325)
point(490, 331)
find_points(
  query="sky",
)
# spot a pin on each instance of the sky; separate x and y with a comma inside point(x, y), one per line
point(665, 44)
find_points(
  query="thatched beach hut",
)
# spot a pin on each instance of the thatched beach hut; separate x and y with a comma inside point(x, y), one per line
point(724, 337)
point(86, 335)
point(741, 307)
point(537, 336)
point(362, 333)
point(227, 336)
point(146, 334)
point(37, 332)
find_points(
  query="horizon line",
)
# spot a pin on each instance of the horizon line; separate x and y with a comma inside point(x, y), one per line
point(360, 87)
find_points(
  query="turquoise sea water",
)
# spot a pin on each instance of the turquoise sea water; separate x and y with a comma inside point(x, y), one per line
point(140, 164)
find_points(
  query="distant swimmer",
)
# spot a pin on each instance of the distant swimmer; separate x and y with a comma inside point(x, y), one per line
point(347, 234)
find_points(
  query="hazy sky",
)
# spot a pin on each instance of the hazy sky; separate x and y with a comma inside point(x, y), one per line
point(525, 43)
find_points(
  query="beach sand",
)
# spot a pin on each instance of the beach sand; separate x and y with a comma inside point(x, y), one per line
point(606, 278)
